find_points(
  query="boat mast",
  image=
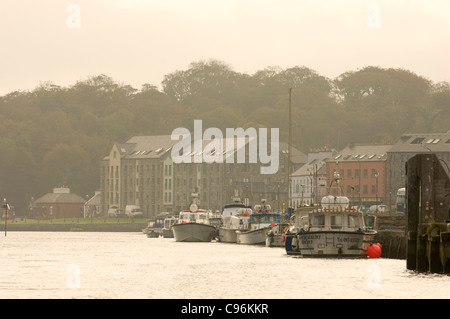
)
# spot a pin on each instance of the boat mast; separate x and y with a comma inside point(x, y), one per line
point(289, 154)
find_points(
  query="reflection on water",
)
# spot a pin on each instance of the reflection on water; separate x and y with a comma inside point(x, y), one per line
point(129, 265)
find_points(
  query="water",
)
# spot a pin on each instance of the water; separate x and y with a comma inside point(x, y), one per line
point(56, 265)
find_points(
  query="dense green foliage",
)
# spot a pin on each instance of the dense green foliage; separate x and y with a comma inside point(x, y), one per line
point(54, 136)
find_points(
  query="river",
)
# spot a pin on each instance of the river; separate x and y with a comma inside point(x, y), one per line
point(91, 265)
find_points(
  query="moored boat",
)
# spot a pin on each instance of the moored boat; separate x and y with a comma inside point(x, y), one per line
point(167, 231)
point(194, 225)
point(276, 235)
point(154, 227)
point(261, 221)
point(331, 229)
point(153, 233)
point(236, 216)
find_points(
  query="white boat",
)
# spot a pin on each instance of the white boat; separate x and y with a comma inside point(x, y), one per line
point(194, 225)
point(167, 231)
point(261, 221)
point(330, 229)
point(236, 216)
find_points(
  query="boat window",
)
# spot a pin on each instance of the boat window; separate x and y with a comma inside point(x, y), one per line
point(318, 220)
point(353, 221)
point(257, 219)
point(336, 221)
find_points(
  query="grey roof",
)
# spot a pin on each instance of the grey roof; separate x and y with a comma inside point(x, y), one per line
point(308, 168)
point(296, 156)
point(156, 146)
point(60, 198)
point(422, 143)
point(357, 152)
point(145, 147)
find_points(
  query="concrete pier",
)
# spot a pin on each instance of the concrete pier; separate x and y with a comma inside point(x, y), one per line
point(428, 215)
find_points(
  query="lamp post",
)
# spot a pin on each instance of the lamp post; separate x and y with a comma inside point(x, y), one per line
point(376, 189)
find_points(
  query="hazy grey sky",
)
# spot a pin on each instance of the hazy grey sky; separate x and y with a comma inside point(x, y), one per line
point(140, 41)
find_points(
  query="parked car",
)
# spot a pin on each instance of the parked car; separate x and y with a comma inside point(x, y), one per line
point(133, 211)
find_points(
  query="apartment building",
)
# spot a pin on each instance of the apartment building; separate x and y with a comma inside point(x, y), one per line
point(141, 172)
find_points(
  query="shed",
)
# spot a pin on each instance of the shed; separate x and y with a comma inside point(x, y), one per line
point(60, 204)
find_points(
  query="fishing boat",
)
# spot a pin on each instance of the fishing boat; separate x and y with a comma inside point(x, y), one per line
point(167, 231)
point(330, 229)
point(236, 216)
point(261, 221)
point(276, 235)
point(194, 224)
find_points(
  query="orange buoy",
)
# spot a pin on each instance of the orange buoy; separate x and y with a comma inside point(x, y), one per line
point(374, 250)
point(283, 238)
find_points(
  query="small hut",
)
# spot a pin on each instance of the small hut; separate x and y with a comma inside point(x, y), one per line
point(60, 204)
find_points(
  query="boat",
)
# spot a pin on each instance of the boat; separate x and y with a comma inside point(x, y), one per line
point(194, 225)
point(276, 235)
point(167, 231)
point(154, 227)
point(261, 221)
point(330, 229)
point(236, 216)
point(153, 233)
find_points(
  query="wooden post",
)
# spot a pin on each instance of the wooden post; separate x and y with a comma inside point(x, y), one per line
point(412, 211)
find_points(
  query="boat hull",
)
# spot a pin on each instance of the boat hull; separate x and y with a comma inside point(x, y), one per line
point(193, 232)
point(153, 234)
point(227, 235)
point(252, 237)
point(167, 233)
point(328, 244)
point(274, 241)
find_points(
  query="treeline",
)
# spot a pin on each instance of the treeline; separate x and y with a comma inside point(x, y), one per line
point(54, 136)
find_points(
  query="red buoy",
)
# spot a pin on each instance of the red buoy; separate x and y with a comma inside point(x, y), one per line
point(374, 250)
point(283, 238)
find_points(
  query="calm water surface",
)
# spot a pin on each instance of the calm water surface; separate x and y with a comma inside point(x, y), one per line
point(56, 265)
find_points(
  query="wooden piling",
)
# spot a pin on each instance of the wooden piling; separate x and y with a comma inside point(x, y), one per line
point(428, 215)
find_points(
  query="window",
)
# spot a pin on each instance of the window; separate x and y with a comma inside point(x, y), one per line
point(349, 173)
point(353, 221)
point(318, 220)
point(349, 190)
point(336, 221)
point(365, 172)
point(418, 140)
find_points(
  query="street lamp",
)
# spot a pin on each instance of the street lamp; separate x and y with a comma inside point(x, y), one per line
point(376, 202)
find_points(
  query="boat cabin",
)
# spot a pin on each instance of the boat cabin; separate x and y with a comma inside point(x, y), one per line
point(199, 216)
point(333, 215)
point(263, 220)
point(169, 221)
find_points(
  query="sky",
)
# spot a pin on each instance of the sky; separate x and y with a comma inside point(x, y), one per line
point(140, 41)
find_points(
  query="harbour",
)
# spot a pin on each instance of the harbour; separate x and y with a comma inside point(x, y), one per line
point(128, 265)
